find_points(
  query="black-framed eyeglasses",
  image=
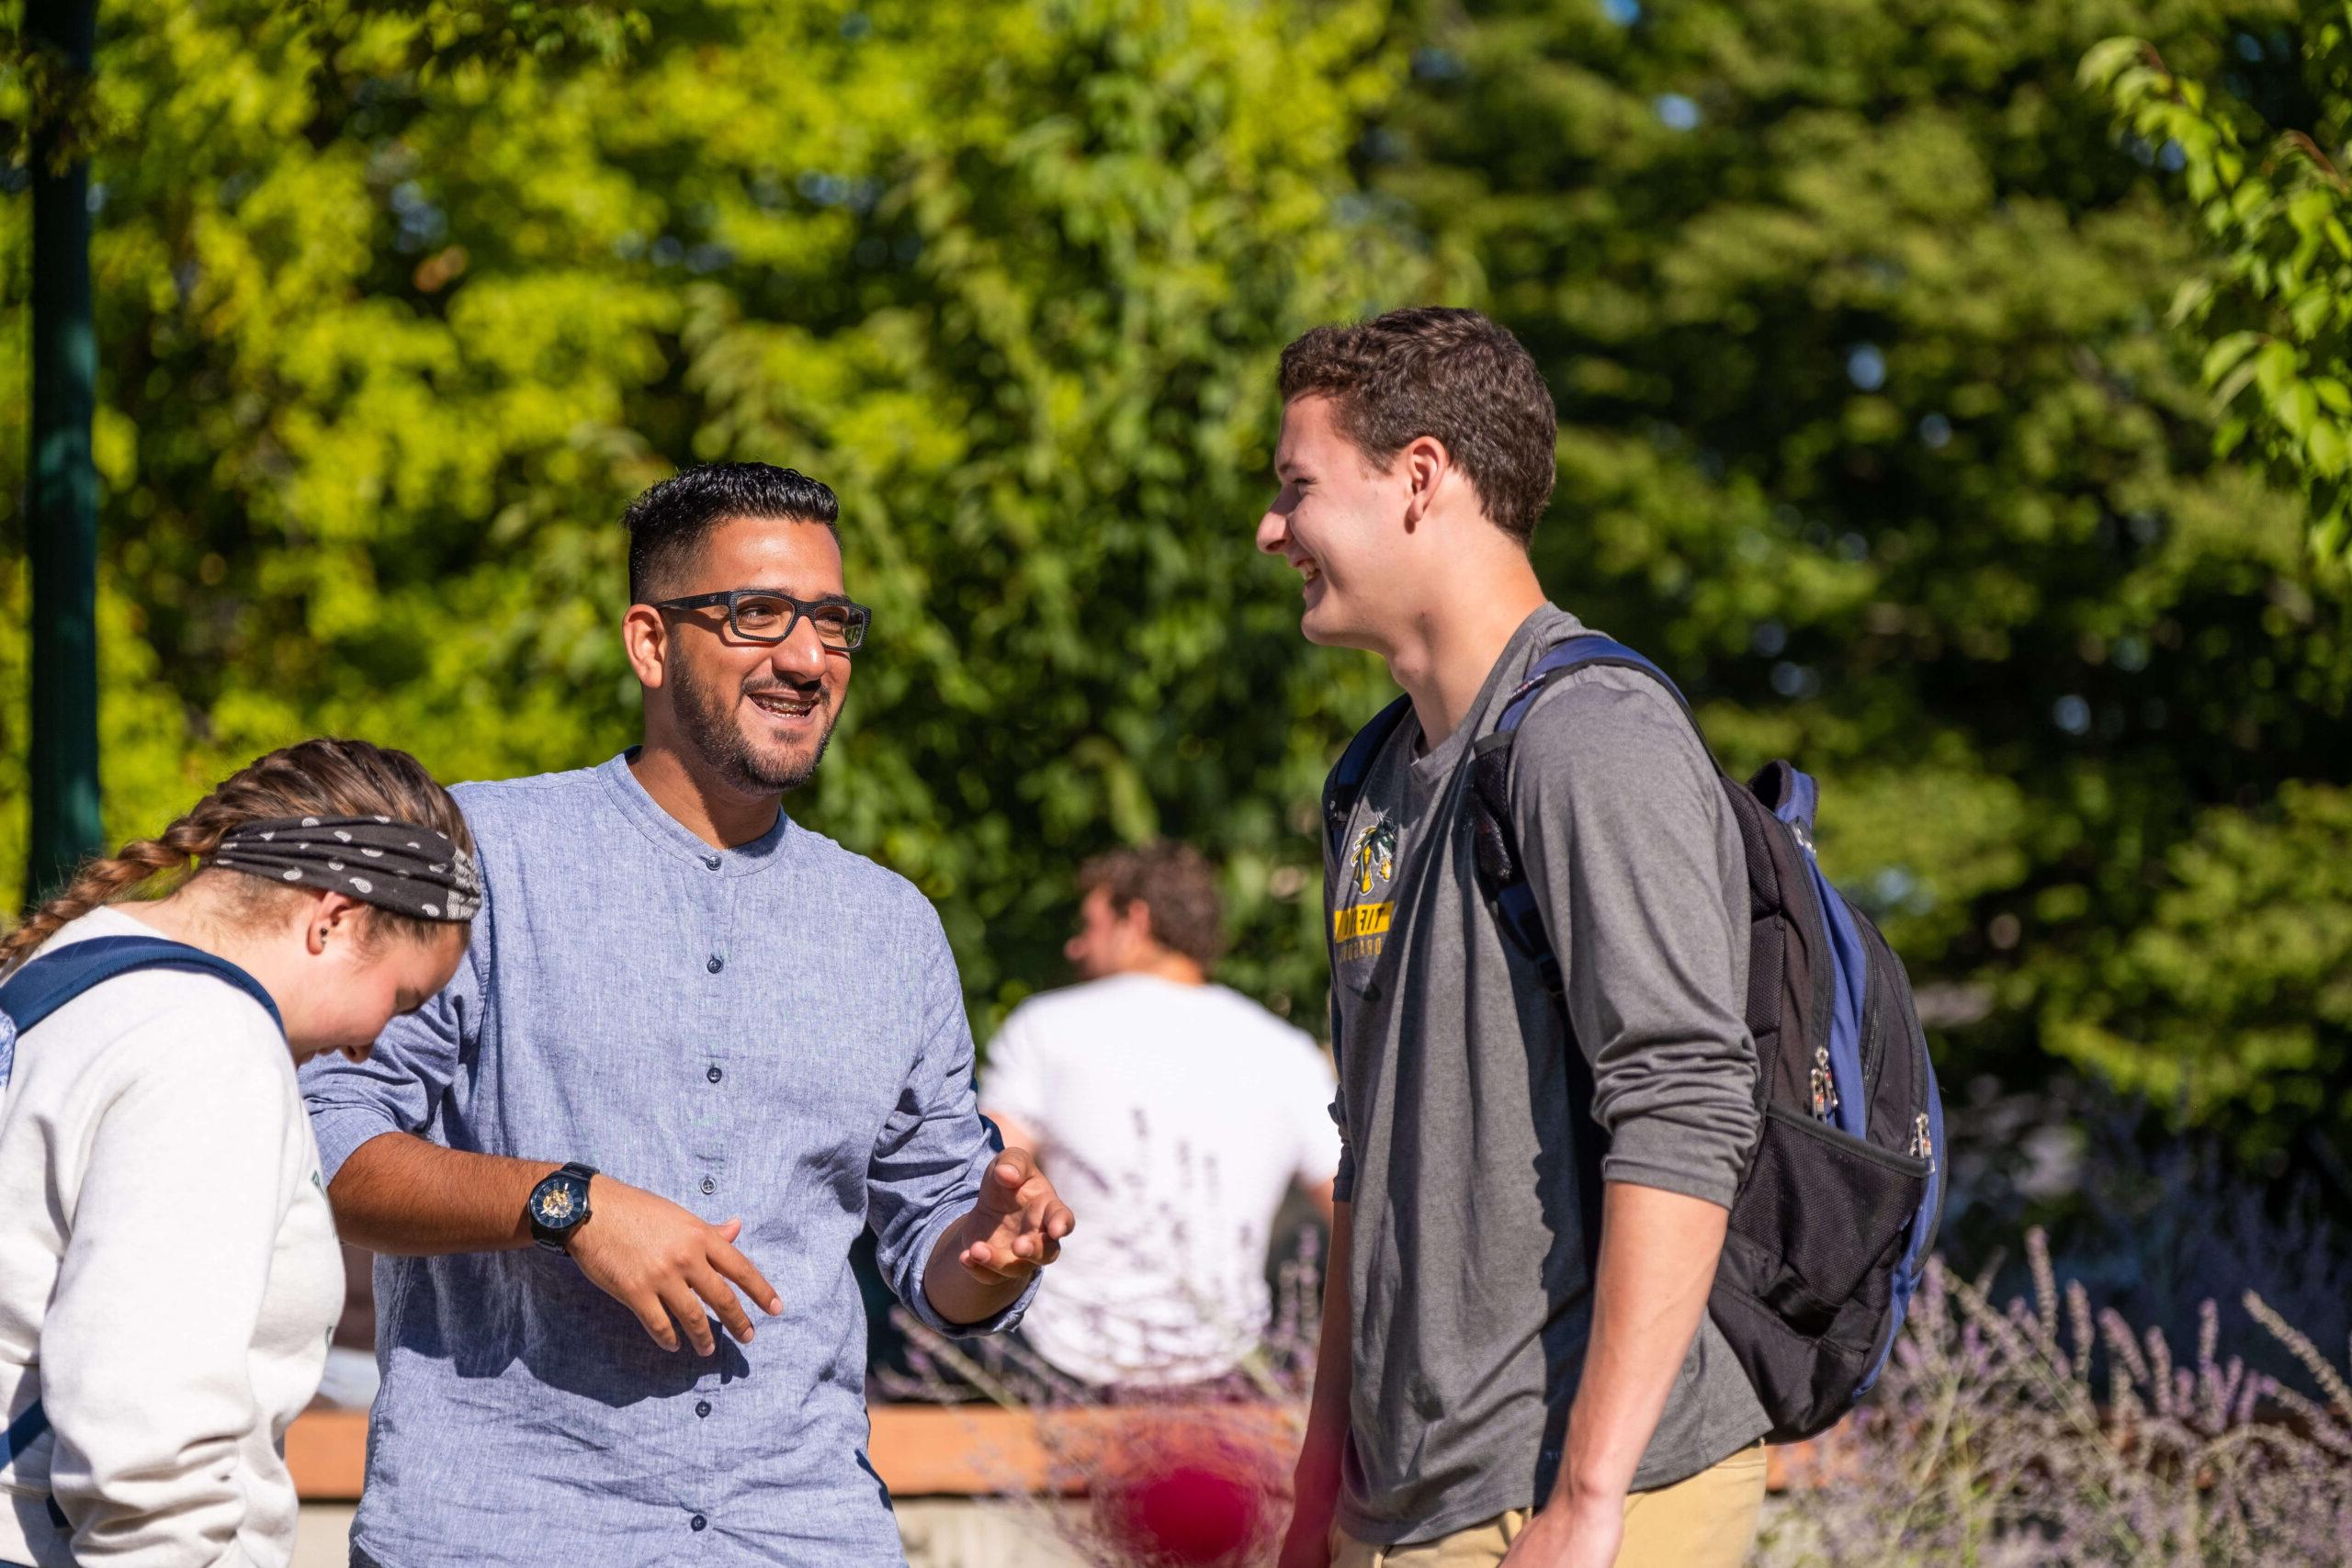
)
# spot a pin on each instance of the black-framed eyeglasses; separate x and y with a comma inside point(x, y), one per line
point(764, 615)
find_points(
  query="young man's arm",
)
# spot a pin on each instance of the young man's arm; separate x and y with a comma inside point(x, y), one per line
point(1315, 1482)
point(401, 1194)
point(1657, 1263)
point(960, 1230)
point(1617, 812)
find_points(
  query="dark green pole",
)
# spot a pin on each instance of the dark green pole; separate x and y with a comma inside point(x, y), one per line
point(62, 524)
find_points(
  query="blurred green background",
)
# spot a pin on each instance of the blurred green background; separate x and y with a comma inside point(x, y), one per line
point(1875, 431)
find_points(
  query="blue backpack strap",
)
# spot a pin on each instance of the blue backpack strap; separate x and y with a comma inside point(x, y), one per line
point(1578, 653)
point(1340, 791)
point(45, 984)
point(1346, 782)
point(1498, 853)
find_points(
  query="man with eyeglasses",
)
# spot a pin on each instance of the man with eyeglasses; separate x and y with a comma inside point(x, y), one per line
point(696, 1048)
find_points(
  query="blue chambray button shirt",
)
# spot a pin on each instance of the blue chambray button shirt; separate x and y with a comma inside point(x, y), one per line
point(775, 1032)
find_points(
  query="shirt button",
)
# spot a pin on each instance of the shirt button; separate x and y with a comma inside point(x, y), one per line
point(710, 862)
point(698, 1522)
point(714, 1074)
point(701, 1407)
point(715, 963)
point(710, 1186)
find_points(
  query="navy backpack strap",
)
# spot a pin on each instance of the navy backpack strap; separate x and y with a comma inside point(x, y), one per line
point(45, 984)
point(1340, 791)
point(1500, 870)
point(1346, 783)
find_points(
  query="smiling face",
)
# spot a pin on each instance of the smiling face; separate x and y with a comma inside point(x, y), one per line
point(1338, 520)
point(752, 715)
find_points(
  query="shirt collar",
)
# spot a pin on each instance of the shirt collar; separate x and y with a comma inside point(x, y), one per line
point(672, 836)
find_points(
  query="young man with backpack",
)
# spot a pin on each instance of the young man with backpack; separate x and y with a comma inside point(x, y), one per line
point(1540, 1148)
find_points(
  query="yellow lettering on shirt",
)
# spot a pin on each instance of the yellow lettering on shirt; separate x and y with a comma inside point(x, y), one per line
point(1362, 921)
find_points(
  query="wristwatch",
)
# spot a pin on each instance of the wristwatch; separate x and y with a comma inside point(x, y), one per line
point(558, 1205)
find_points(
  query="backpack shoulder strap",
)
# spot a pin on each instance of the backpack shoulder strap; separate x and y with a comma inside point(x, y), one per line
point(1574, 654)
point(1340, 791)
point(1501, 874)
point(45, 984)
point(1345, 784)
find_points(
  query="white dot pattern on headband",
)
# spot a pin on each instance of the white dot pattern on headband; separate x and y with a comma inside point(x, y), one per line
point(334, 865)
point(360, 885)
point(292, 875)
point(310, 822)
point(371, 855)
point(431, 911)
point(271, 834)
point(381, 819)
point(344, 836)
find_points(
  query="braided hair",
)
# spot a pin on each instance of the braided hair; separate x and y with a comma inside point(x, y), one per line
point(316, 778)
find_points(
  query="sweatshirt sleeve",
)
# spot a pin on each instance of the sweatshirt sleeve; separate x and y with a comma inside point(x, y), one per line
point(1619, 815)
point(146, 1349)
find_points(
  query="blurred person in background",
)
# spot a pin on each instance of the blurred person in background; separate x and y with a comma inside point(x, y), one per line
point(168, 1267)
point(1176, 1114)
point(1514, 1368)
point(685, 1021)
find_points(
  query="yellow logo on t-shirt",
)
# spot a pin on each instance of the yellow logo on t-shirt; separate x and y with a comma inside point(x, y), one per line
point(1360, 931)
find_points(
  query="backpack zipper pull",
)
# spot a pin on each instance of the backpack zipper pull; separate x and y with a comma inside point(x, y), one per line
point(1825, 1086)
point(1923, 1143)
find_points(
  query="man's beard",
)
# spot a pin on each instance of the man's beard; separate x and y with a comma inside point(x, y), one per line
point(708, 718)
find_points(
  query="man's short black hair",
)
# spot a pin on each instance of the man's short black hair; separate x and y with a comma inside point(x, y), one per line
point(668, 522)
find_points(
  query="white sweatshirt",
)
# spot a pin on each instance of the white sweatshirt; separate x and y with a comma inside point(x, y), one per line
point(168, 1274)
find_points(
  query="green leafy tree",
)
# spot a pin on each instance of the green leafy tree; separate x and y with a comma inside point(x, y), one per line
point(400, 303)
point(2275, 304)
point(1874, 431)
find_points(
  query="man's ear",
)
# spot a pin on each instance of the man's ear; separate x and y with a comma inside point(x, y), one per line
point(645, 637)
point(1137, 920)
point(1427, 466)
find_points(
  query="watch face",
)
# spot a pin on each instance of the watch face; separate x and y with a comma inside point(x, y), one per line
point(560, 1201)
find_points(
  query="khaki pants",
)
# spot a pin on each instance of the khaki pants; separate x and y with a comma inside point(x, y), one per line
point(1708, 1521)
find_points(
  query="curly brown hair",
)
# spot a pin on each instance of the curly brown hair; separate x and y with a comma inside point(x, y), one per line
point(316, 778)
point(1448, 373)
point(1177, 888)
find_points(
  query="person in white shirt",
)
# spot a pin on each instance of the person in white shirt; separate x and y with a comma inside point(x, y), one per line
point(1175, 1114)
point(169, 1272)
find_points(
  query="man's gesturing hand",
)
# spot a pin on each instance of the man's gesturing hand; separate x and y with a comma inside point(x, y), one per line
point(662, 1263)
point(1017, 1226)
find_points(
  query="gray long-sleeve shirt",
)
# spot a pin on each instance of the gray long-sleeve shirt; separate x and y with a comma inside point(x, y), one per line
point(1471, 1271)
point(774, 1031)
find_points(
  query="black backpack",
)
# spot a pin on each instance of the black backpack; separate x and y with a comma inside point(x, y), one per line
point(1841, 1196)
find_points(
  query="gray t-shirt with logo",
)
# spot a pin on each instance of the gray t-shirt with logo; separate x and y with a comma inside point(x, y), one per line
point(1471, 1273)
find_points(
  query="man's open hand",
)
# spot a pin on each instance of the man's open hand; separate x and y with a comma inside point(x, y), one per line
point(662, 1262)
point(1017, 1226)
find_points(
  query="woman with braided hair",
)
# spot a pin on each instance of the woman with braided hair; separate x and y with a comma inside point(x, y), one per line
point(169, 1271)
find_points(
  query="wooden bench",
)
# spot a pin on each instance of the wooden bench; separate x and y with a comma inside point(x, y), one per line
point(922, 1451)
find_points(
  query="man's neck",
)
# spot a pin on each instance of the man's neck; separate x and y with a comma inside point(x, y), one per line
point(1448, 650)
point(1167, 966)
point(717, 814)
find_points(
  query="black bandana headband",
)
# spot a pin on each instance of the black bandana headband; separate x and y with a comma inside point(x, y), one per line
point(393, 865)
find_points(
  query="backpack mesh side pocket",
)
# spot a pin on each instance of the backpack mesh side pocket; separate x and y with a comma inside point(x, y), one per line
point(1819, 1211)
